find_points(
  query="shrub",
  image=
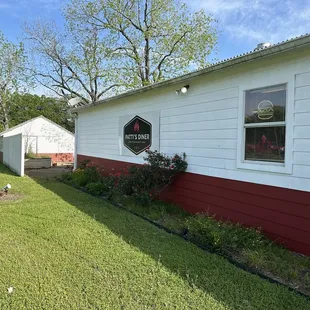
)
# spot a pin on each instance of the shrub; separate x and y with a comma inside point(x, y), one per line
point(95, 188)
point(122, 182)
point(102, 187)
point(170, 165)
point(145, 182)
point(30, 156)
point(83, 176)
point(65, 177)
point(107, 185)
point(223, 235)
point(83, 163)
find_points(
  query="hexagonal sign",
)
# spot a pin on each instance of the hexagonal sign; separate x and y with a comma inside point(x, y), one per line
point(137, 135)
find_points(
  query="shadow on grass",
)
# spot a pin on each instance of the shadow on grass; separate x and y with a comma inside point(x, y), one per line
point(5, 170)
point(213, 274)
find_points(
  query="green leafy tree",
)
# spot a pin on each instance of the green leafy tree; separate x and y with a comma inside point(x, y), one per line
point(147, 40)
point(13, 76)
point(114, 45)
point(27, 106)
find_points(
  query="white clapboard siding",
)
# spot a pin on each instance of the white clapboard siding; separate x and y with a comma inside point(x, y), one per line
point(202, 116)
point(302, 79)
point(100, 130)
point(302, 132)
point(301, 171)
point(202, 152)
point(302, 119)
point(301, 155)
point(103, 121)
point(204, 106)
point(200, 134)
point(108, 147)
point(90, 139)
point(301, 158)
point(202, 143)
point(302, 145)
point(99, 152)
point(219, 105)
point(302, 92)
point(203, 123)
point(205, 161)
point(302, 105)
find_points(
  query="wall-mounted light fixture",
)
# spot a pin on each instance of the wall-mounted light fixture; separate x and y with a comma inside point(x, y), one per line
point(182, 90)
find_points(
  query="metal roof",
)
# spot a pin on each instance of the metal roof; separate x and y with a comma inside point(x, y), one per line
point(280, 47)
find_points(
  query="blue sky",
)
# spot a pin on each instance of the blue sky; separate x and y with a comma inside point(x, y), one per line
point(242, 23)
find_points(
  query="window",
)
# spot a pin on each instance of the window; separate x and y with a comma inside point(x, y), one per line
point(264, 124)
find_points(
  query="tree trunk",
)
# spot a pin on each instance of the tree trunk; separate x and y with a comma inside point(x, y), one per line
point(5, 115)
point(5, 120)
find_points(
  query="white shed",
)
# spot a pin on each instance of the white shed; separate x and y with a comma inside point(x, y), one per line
point(43, 137)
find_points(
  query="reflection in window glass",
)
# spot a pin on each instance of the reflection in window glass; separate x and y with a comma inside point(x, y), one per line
point(265, 104)
point(265, 144)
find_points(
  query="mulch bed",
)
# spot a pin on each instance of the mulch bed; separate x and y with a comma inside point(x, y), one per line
point(11, 197)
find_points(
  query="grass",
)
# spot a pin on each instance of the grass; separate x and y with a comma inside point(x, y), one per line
point(64, 249)
point(244, 245)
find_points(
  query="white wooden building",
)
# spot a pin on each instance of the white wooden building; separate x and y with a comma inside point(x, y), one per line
point(41, 136)
point(244, 124)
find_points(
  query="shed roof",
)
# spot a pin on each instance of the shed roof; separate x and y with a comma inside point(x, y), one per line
point(290, 44)
point(33, 119)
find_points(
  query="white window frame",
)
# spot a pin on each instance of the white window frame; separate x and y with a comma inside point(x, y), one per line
point(272, 167)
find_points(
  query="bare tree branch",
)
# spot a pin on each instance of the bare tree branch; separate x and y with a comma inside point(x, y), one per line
point(108, 88)
point(160, 39)
point(78, 70)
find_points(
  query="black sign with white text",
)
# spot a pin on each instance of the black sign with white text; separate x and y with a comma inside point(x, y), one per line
point(137, 135)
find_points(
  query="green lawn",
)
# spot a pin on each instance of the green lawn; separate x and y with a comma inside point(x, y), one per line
point(63, 249)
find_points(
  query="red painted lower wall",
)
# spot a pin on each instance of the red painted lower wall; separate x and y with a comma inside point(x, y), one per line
point(283, 214)
point(59, 157)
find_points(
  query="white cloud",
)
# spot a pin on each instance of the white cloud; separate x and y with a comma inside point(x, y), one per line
point(4, 5)
point(259, 20)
